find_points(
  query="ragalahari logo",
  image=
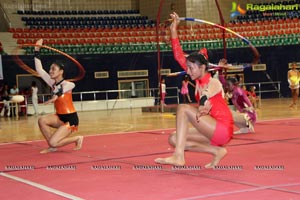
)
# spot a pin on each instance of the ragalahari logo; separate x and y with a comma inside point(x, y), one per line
point(236, 10)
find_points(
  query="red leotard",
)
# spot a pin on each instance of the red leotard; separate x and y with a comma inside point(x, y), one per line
point(219, 110)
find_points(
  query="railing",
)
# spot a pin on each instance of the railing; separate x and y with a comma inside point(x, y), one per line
point(125, 94)
point(111, 97)
point(118, 94)
point(275, 87)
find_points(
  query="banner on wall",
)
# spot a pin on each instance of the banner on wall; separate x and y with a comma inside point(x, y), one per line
point(1, 71)
point(297, 65)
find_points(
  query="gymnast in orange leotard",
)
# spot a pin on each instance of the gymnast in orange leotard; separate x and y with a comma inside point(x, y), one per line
point(65, 120)
point(212, 120)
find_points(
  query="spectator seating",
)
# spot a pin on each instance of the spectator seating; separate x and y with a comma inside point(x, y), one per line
point(79, 12)
point(84, 19)
point(118, 34)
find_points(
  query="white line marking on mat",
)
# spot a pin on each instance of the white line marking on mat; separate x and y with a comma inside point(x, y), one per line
point(240, 191)
point(42, 187)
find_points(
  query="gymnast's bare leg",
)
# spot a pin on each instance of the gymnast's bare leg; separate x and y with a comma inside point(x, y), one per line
point(60, 137)
point(193, 139)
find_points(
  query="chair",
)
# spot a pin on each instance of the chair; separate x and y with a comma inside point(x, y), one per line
point(29, 41)
point(74, 12)
point(146, 40)
point(132, 40)
point(46, 35)
point(82, 41)
point(54, 35)
point(112, 34)
point(20, 41)
point(59, 41)
point(66, 41)
point(61, 12)
point(97, 41)
point(76, 35)
point(105, 34)
point(124, 40)
point(19, 30)
point(74, 41)
point(51, 41)
point(16, 35)
point(83, 35)
point(87, 12)
point(111, 40)
point(104, 41)
point(89, 41)
point(28, 35)
point(83, 50)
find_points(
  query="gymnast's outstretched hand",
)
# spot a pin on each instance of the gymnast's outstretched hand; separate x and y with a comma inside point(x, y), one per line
point(175, 22)
point(39, 43)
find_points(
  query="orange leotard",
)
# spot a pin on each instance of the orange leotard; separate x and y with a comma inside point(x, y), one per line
point(64, 104)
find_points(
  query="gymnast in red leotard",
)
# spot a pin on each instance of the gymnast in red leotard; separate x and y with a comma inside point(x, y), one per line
point(212, 120)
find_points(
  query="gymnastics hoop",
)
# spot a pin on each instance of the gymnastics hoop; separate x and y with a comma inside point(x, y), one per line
point(253, 48)
point(33, 72)
point(214, 66)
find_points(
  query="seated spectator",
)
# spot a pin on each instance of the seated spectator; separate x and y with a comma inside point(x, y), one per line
point(5, 98)
point(244, 88)
point(253, 97)
point(14, 91)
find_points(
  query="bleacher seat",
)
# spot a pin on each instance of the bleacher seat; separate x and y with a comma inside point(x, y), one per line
point(102, 31)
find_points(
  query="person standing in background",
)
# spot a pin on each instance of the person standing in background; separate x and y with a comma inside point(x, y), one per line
point(5, 98)
point(34, 97)
point(14, 91)
point(163, 92)
point(253, 97)
point(293, 79)
point(185, 89)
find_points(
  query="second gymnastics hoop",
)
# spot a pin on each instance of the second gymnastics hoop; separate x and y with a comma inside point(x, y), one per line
point(213, 66)
point(33, 72)
point(253, 48)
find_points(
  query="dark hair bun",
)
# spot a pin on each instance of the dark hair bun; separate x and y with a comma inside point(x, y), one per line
point(232, 80)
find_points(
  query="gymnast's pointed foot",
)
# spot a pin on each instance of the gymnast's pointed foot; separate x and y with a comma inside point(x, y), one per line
point(79, 143)
point(218, 156)
point(49, 150)
point(172, 160)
